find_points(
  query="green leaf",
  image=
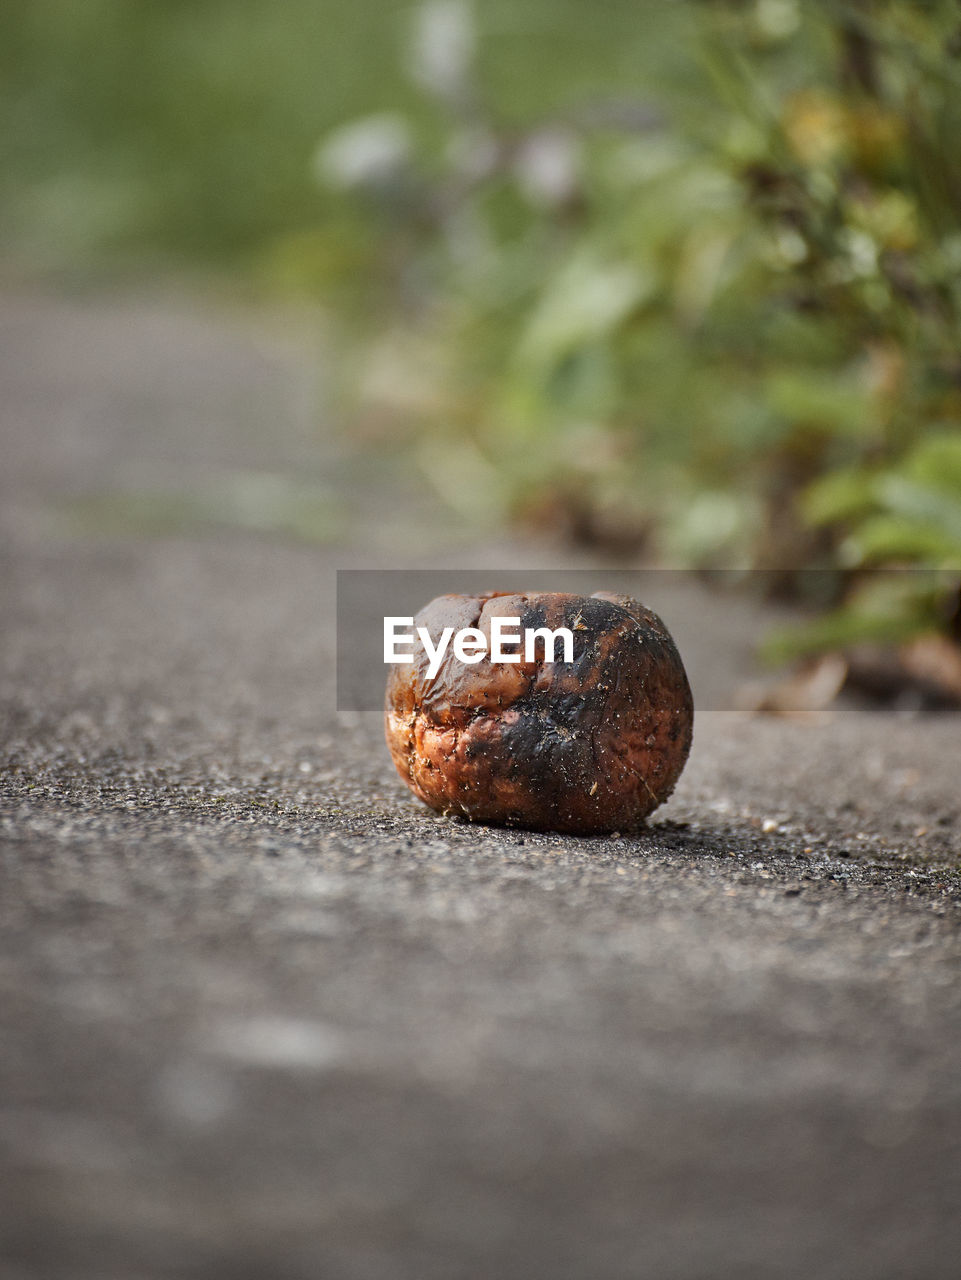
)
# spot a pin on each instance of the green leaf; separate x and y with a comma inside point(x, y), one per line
point(826, 401)
point(885, 608)
point(928, 507)
point(839, 495)
point(584, 302)
point(839, 629)
point(936, 463)
point(887, 538)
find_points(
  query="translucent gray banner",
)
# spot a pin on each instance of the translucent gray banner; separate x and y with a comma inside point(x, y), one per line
point(721, 624)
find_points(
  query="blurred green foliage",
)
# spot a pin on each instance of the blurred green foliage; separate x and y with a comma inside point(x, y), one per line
point(185, 128)
point(173, 128)
point(719, 317)
point(675, 277)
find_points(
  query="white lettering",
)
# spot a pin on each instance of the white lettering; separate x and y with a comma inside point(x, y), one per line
point(550, 639)
point(435, 655)
point(499, 634)
point(392, 639)
point(470, 645)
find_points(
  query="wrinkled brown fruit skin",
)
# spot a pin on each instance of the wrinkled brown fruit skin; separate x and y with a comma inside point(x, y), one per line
point(587, 748)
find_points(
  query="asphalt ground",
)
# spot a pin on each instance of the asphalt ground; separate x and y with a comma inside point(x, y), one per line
point(264, 1015)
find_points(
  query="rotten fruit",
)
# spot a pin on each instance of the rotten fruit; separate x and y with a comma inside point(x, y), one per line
point(589, 743)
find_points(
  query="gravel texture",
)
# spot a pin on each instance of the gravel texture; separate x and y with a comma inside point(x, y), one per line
point(264, 1015)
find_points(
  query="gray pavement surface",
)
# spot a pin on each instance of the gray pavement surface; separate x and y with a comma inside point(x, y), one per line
point(263, 1015)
